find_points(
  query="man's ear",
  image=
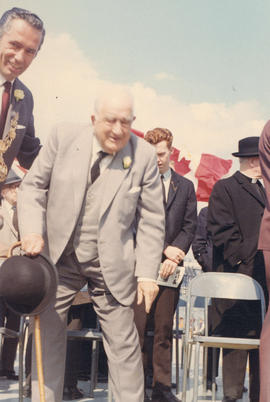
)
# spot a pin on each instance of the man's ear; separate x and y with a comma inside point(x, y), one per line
point(134, 118)
point(93, 119)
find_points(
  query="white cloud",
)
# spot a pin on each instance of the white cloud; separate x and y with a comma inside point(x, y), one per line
point(162, 76)
point(64, 83)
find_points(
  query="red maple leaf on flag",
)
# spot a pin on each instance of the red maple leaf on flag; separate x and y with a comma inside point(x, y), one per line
point(210, 169)
point(181, 167)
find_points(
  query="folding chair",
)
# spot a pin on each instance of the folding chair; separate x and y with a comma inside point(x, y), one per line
point(20, 335)
point(95, 335)
point(220, 286)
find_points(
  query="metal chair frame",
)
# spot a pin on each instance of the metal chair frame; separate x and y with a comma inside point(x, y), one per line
point(222, 286)
point(95, 335)
point(20, 335)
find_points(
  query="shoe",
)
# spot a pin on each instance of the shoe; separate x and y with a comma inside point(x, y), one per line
point(71, 393)
point(164, 395)
point(226, 399)
point(245, 389)
point(209, 385)
point(27, 393)
point(9, 374)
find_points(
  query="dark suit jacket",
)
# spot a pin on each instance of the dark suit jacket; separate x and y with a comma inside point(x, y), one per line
point(202, 245)
point(181, 213)
point(234, 216)
point(25, 146)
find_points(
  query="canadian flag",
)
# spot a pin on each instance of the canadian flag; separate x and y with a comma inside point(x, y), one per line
point(210, 169)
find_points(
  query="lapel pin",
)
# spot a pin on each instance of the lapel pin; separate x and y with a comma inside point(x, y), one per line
point(127, 162)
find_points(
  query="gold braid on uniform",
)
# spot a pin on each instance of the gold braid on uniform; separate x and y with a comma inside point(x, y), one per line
point(5, 144)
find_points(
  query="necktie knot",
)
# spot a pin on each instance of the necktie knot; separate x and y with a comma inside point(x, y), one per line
point(7, 86)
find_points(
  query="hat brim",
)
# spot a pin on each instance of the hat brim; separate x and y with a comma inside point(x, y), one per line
point(52, 284)
point(241, 154)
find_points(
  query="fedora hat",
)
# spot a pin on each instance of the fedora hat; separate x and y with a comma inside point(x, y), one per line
point(12, 178)
point(28, 284)
point(248, 146)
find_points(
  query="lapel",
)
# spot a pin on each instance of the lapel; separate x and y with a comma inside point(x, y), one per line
point(80, 165)
point(174, 184)
point(13, 107)
point(8, 221)
point(115, 175)
point(249, 187)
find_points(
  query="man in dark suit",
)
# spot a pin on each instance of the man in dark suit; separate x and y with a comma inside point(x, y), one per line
point(235, 211)
point(21, 36)
point(180, 216)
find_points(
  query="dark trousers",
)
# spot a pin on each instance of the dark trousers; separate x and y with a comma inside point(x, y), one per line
point(239, 319)
point(234, 368)
point(160, 321)
point(9, 320)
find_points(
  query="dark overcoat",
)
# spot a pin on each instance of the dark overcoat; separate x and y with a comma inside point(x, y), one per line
point(234, 215)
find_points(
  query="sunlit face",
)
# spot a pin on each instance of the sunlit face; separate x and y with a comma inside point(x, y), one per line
point(18, 47)
point(9, 193)
point(112, 124)
point(163, 156)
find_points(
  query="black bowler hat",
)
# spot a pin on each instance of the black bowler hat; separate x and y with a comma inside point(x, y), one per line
point(248, 146)
point(28, 284)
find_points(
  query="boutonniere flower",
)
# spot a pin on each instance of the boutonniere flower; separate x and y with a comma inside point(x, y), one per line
point(127, 162)
point(18, 94)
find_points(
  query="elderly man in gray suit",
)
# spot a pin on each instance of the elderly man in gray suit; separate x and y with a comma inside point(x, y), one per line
point(94, 198)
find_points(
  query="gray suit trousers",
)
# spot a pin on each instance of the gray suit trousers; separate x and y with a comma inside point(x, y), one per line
point(120, 336)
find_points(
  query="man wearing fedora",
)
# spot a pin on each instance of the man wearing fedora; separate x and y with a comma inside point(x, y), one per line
point(95, 194)
point(235, 211)
point(8, 235)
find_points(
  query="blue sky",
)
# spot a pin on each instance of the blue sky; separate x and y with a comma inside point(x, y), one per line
point(199, 67)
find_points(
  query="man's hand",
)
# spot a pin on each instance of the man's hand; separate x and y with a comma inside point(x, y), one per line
point(174, 254)
point(168, 268)
point(147, 291)
point(32, 244)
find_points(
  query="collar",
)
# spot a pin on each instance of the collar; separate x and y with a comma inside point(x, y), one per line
point(252, 180)
point(96, 147)
point(167, 175)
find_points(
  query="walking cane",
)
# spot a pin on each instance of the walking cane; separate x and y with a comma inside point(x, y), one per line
point(37, 341)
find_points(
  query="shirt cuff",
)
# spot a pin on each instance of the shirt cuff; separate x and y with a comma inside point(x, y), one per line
point(141, 279)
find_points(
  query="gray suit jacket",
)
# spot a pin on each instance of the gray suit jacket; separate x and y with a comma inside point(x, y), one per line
point(51, 197)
